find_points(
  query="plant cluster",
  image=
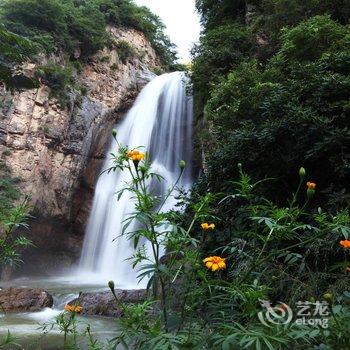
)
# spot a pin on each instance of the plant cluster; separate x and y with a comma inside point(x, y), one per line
point(14, 50)
point(210, 277)
point(125, 50)
point(14, 214)
point(213, 301)
point(206, 292)
point(282, 103)
point(75, 28)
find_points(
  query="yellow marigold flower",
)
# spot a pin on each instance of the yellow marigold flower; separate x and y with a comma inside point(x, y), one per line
point(73, 308)
point(347, 269)
point(136, 155)
point(205, 226)
point(215, 263)
point(345, 243)
point(311, 185)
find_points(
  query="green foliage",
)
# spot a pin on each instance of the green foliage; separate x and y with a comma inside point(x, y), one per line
point(275, 119)
point(271, 250)
point(273, 15)
point(74, 26)
point(283, 104)
point(8, 188)
point(218, 52)
point(214, 13)
point(13, 218)
point(125, 50)
point(59, 79)
point(126, 13)
point(10, 243)
point(14, 49)
point(67, 323)
point(8, 340)
point(313, 38)
point(52, 24)
point(265, 22)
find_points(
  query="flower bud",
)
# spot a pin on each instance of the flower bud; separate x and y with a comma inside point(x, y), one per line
point(114, 133)
point(239, 166)
point(143, 170)
point(328, 296)
point(311, 186)
point(111, 286)
point(310, 193)
point(302, 172)
point(182, 164)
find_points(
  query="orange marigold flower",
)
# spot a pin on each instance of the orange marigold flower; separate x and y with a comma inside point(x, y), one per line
point(345, 243)
point(215, 263)
point(136, 155)
point(311, 185)
point(73, 308)
point(205, 226)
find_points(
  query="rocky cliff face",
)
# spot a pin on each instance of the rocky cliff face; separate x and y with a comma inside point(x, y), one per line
point(58, 153)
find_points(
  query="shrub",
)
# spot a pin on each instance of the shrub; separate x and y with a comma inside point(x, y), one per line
point(125, 50)
point(219, 51)
point(13, 216)
point(39, 21)
point(292, 112)
point(8, 187)
point(126, 13)
point(214, 14)
point(69, 25)
point(59, 79)
point(314, 37)
point(66, 24)
point(14, 49)
point(207, 289)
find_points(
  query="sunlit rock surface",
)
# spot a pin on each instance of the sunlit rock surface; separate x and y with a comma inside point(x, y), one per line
point(24, 300)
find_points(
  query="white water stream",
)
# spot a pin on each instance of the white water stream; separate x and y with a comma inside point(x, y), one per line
point(160, 121)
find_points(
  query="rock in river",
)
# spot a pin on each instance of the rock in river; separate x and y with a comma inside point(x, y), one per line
point(24, 299)
point(104, 303)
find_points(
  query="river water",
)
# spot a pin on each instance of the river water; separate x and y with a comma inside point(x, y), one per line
point(27, 326)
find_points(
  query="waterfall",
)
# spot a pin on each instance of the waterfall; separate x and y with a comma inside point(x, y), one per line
point(160, 121)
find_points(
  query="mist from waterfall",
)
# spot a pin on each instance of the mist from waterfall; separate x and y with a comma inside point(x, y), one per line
point(161, 121)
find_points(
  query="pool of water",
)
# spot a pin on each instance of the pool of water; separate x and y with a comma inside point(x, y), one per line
point(27, 327)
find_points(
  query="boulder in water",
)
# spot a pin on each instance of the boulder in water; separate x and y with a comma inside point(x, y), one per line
point(24, 299)
point(104, 303)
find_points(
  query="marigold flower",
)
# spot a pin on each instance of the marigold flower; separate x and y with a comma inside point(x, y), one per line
point(215, 263)
point(311, 185)
point(136, 155)
point(345, 243)
point(73, 308)
point(205, 226)
point(347, 269)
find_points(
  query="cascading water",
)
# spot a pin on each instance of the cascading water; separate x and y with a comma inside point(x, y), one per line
point(160, 121)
